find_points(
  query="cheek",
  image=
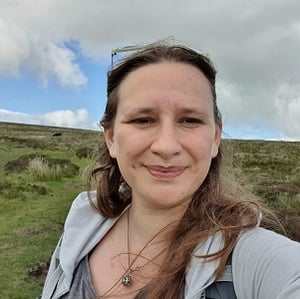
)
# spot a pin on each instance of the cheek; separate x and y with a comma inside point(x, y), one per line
point(130, 145)
point(201, 150)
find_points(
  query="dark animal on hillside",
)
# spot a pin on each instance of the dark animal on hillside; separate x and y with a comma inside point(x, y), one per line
point(57, 134)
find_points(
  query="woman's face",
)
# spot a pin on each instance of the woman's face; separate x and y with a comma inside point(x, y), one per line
point(164, 134)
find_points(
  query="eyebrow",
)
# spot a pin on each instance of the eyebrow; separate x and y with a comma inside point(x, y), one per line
point(142, 110)
point(150, 110)
point(190, 110)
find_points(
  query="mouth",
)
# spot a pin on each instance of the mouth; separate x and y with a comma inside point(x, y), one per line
point(161, 172)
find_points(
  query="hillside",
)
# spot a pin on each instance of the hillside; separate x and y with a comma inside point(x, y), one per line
point(34, 201)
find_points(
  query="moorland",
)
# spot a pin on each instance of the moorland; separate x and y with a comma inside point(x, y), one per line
point(43, 168)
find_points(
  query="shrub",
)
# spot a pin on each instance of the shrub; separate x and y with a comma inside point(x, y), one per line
point(4, 186)
point(67, 168)
point(20, 164)
point(84, 152)
point(40, 163)
point(39, 169)
point(41, 190)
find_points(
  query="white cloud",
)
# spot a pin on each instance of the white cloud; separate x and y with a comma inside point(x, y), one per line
point(287, 105)
point(10, 116)
point(60, 118)
point(254, 44)
point(66, 118)
point(28, 39)
point(58, 61)
point(13, 49)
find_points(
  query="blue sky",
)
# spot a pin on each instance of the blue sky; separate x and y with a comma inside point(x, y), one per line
point(26, 94)
point(53, 63)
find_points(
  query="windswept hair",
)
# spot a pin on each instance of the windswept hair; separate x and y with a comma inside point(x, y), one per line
point(217, 205)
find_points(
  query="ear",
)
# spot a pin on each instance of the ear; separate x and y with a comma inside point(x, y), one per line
point(109, 140)
point(217, 139)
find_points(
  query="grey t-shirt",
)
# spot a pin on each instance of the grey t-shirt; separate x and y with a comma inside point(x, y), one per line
point(82, 286)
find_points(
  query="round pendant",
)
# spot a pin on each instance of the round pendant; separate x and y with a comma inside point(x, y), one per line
point(126, 280)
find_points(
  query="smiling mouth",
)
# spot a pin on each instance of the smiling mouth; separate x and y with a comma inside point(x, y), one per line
point(165, 172)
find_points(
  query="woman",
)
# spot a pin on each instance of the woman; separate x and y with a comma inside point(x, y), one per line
point(163, 223)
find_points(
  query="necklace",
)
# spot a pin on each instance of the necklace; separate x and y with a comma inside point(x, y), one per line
point(127, 278)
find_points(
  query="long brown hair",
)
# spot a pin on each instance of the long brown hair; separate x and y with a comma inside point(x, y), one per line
point(215, 207)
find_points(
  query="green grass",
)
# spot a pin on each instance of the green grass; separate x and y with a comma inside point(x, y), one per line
point(33, 210)
point(30, 225)
point(272, 170)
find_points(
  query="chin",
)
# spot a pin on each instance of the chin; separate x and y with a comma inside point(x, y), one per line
point(170, 202)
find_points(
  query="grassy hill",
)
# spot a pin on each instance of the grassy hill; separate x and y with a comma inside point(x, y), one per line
point(42, 169)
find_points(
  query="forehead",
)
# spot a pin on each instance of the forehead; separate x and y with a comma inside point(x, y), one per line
point(165, 80)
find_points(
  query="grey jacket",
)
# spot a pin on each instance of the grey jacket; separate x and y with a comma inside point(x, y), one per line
point(265, 265)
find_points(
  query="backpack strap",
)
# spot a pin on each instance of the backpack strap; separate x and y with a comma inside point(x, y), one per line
point(227, 272)
point(226, 275)
point(222, 287)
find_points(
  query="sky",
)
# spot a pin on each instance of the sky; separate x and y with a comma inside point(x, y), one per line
point(54, 56)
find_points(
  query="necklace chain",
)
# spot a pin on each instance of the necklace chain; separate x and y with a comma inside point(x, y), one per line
point(127, 278)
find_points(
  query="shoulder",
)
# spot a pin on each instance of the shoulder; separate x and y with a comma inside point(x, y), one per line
point(81, 206)
point(265, 265)
point(84, 228)
point(83, 199)
point(259, 238)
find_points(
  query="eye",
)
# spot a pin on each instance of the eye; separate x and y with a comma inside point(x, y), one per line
point(142, 121)
point(191, 121)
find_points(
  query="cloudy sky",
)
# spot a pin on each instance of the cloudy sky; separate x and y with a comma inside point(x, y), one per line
point(54, 55)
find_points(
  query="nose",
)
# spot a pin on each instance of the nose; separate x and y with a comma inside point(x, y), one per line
point(166, 141)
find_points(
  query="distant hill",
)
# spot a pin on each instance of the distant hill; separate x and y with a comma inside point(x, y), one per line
point(34, 202)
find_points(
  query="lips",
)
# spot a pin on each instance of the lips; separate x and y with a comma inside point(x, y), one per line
point(165, 172)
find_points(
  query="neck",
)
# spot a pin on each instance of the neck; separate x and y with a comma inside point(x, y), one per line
point(146, 223)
